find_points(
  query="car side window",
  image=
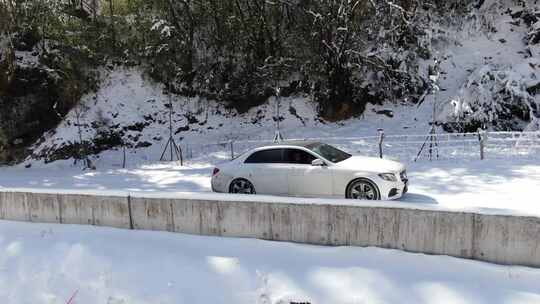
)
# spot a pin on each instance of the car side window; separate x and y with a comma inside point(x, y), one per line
point(270, 156)
point(297, 156)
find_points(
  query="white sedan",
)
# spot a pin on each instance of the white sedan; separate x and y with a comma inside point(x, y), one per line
point(310, 169)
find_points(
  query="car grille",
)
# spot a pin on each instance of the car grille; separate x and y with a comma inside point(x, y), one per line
point(403, 175)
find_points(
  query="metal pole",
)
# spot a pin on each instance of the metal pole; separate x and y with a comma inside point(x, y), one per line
point(124, 157)
point(278, 103)
point(170, 120)
point(421, 148)
point(431, 141)
point(381, 138)
point(482, 140)
point(232, 150)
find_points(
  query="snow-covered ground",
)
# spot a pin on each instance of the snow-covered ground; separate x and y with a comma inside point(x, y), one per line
point(48, 263)
point(488, 186)
point(42, 263)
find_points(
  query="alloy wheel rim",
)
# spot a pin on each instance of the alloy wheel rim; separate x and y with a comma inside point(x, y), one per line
point(242, 187)
point(363, 190)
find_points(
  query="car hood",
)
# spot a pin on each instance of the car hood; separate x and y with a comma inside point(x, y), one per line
point(371, 164)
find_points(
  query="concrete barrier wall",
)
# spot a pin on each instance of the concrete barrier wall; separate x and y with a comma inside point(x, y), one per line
point(493, 238)
point(111, 211)
point(507, 239)
point(500, 239)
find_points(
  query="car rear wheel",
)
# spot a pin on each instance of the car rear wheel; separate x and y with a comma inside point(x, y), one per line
point(241, 186)
point(362, 189)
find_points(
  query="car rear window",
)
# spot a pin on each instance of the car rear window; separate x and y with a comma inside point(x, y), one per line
point(266, 157)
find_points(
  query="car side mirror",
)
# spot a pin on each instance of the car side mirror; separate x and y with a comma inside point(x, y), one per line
point(318, 162)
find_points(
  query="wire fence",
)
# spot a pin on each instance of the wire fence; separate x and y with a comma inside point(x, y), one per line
point(406, 148)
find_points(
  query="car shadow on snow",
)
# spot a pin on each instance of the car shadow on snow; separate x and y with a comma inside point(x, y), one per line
point(417, 198)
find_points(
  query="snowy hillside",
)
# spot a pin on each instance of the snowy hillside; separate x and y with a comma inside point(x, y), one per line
point(132, 111)
point(484, 71)
point(490, 76)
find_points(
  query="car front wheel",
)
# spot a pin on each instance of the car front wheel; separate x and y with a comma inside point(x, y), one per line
point(362, 189)
point(241, 186)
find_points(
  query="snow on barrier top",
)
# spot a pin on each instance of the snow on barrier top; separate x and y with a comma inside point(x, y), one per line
point(226, 197)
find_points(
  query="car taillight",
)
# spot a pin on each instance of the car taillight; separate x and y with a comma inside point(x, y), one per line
point(216, 171)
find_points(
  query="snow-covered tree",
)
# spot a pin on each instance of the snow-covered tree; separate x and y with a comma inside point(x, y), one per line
point(493, 96)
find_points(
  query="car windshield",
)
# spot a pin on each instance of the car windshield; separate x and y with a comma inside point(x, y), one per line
point(331, 153)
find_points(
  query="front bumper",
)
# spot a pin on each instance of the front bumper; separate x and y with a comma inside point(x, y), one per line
point(393, 190)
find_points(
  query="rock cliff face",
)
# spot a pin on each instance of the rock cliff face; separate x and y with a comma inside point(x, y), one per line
point(36, 91)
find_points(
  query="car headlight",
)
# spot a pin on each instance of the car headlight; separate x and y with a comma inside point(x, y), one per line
point(388, 177)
